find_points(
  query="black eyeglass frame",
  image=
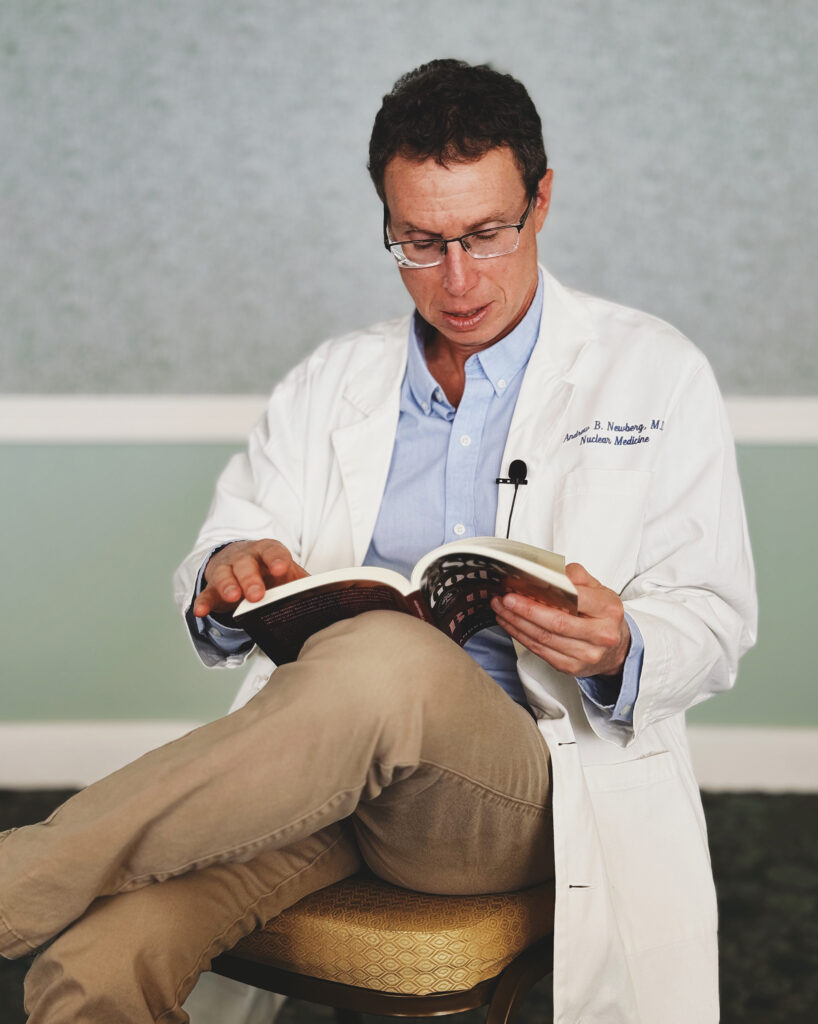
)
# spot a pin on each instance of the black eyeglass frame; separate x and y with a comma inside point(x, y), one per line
point(446, 242)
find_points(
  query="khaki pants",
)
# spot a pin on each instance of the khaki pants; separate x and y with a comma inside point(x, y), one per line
point(384, 743)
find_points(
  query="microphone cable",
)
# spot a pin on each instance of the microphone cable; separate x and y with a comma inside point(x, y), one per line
point(517, 476)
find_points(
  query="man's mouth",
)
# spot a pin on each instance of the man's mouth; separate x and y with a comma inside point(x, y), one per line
point(465, 319)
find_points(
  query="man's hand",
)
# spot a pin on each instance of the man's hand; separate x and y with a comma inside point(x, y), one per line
point(593, 643)
point(244, 569)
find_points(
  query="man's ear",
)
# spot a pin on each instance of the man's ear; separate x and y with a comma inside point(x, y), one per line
point(542, 201)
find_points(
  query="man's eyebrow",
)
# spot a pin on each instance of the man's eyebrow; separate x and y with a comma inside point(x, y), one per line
point(493, 218)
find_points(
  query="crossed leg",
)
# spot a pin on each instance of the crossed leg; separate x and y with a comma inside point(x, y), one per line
point(382, 721)
point(135, 957)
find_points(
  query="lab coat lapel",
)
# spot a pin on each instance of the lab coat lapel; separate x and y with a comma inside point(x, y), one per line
point(363, 447)
point(545, 395)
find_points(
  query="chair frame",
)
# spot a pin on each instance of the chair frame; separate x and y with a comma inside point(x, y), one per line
point(502, 994)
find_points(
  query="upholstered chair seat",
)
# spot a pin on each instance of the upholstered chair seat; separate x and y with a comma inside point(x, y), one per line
point(365, 938)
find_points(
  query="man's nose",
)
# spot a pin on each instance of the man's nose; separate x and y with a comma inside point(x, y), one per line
point(459, 270)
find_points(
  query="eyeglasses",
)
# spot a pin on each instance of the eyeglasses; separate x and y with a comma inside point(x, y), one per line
point(419, 253)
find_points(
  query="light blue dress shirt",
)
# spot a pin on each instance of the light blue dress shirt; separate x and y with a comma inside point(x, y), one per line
point(441, 487)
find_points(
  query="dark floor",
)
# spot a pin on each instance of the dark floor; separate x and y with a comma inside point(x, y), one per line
point(765, 858)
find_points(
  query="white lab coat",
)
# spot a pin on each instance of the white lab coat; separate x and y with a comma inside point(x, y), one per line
point(656, 515)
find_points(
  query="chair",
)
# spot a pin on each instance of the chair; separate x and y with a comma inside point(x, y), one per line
point(362, 946)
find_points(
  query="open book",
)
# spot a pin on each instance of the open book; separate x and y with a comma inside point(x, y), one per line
point(450, 587)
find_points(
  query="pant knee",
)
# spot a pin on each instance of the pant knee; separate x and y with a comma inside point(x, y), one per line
point(390, 657)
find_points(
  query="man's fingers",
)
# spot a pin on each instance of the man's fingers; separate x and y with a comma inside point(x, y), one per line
point(279, 563)
point(244, 569)
point(210, 601)
point(565, 654)
point(560, 652)
point(578, 644)
point(599, 625)
point(224, 593)
point(271, 551)
point(247, 574)
point(541, 616)
point(222, 580)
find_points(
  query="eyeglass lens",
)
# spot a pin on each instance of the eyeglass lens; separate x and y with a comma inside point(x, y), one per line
point(481, 244)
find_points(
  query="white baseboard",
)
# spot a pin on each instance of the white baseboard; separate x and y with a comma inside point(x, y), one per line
point(43, 755)
point(66, 754)
point(744, 758)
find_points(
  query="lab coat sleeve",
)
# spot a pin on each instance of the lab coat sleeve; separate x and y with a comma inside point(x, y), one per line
point(258, 495)
point(693, 593)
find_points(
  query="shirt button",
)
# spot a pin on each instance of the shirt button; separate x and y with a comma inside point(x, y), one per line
point(465, 440)
point(501, 383)
point(215, 633)
point(438, 395)
point(459, 529)
point(424, 406)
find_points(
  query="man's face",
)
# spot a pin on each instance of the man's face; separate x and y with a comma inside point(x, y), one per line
point(470, 303)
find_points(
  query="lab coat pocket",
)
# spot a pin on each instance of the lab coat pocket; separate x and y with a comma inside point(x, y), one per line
point(655, 851)
point(598, 517)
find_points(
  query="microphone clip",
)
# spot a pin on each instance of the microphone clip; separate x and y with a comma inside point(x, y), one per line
point(510, 480)
point(517, 473)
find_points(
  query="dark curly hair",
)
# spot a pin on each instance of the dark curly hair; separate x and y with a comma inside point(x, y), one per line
point(453, 111)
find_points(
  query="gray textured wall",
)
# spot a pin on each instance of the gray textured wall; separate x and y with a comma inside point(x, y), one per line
point(177, 178)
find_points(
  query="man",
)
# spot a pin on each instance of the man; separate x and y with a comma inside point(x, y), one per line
point(556, 744)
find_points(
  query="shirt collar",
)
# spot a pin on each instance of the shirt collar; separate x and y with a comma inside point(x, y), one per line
point(500, 363)
point(422, 384)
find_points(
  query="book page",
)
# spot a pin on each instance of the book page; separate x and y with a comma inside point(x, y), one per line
point(512, 554)
point(459, 589)
point(503, 546)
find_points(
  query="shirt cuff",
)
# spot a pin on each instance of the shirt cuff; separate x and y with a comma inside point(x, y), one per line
point(618, 696)
point(225, 639)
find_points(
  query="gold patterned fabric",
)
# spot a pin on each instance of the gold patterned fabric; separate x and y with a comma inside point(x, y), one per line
point(366, 933)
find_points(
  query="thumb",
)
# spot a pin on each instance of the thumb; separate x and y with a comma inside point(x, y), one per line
point(580, 576)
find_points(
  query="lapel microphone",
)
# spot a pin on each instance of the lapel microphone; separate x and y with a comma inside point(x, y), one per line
point(517, 476)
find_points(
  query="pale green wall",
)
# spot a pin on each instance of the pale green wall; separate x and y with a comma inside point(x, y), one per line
point(91, 537)
point(777, 680)
point(92, 533)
